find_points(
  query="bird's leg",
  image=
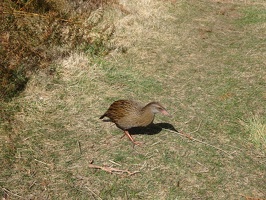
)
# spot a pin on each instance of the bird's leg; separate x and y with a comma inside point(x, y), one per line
point(131, 138)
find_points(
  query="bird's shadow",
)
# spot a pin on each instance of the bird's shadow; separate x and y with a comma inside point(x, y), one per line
point(152, 129)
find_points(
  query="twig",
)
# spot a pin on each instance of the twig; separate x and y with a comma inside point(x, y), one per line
point(251, 198)
point(31, 185)
point(22, 13)
point(79, 145)
point(42, 162)
point(93, 193)
point(196, 129)
point(9, 192)
point(201, 172)
point(156, 143)
point(199, 141)
point(26, 4)
point(114, 162)
point(111, 169)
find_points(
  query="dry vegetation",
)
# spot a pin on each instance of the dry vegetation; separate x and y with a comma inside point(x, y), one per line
point(203, 60)
point(34, 33)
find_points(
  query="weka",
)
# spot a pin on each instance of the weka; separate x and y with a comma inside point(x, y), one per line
point(127, 114)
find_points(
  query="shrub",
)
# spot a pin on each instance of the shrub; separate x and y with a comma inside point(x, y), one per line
point(35, 32)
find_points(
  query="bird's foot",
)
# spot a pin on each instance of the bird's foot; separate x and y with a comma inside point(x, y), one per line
point(131, 139)
point(135, 143)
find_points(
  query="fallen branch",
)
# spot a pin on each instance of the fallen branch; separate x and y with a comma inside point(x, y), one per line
point(112, 170)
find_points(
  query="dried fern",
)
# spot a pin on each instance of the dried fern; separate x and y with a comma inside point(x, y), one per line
point(31, 30)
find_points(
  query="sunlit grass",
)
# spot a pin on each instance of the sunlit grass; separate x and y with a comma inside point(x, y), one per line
point(208, 83)
point(256, 128)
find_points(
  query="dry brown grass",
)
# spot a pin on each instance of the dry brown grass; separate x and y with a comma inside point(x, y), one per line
point(34, 33)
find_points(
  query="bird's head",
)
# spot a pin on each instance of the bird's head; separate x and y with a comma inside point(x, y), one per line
point(157, 108)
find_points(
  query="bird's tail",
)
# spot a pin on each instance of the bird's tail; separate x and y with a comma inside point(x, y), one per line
point(102, 116)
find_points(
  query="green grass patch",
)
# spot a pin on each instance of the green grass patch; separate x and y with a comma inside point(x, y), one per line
point(252, 15)
point(256, 129)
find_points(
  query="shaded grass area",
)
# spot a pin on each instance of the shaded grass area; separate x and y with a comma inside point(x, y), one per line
point(206, 67)
point(34, 33)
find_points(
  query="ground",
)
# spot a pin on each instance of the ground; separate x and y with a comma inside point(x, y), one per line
point(202, 60)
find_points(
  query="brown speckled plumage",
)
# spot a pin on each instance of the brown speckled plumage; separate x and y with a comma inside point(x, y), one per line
point(127, 114)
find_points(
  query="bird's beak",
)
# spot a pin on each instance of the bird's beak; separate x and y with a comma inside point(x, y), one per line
point(164, 112)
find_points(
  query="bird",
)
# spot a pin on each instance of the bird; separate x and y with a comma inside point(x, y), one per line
point(128, 114)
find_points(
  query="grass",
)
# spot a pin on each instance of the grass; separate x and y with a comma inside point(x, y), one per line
point(256, 128)
point(202, 60)
point(34, 33)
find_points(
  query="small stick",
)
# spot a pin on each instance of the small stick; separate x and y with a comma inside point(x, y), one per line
point(22, 13)
point(156, 143)
point(197, 128)
point(79, 145)
point(31, 185)
point(199, 141)
point(251, 198)
point(9, 192)
point(42, 162)
point(111, 169)
point(114, 162)
point(93, 193)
